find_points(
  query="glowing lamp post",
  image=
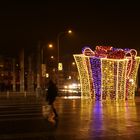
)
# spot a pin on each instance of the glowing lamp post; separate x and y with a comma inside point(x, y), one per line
point(58, 42)
point(60, 67)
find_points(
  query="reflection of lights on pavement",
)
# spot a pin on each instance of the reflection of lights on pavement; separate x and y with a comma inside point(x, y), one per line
point(71, 97)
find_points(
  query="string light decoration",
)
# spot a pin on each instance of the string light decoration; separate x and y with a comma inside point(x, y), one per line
point(107, 73)
point(83, 75)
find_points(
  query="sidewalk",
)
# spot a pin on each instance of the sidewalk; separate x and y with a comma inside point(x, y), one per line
point(79, 119)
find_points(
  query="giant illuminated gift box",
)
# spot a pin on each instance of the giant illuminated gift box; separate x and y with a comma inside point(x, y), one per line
point(107, 73)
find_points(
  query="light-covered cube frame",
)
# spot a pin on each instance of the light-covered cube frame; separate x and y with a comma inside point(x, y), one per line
point(104, 76)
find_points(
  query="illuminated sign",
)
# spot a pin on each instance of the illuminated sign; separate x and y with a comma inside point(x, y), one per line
point(60, 66)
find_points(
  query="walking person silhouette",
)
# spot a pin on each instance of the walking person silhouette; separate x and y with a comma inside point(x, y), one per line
point(51, 95)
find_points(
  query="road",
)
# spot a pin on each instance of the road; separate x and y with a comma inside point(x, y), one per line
point(21, 118)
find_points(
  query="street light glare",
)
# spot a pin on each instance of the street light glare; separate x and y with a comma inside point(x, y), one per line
point(69, 31)
point(50, 45)
point(60, 65)
point(52, 57)
point(73, 63)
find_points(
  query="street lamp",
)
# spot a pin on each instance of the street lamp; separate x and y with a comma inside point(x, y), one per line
point(50, 45)
point(58, 38)
point(58, 50)
point(43, 62)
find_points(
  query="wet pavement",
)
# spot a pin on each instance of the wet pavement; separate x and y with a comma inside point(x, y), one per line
point(79, 119)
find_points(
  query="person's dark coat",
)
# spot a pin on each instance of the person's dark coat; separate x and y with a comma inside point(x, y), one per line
point(51, 92)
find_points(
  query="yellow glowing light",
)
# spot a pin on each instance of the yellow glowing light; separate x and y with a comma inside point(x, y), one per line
point(52, 57)
point(83, 75)
point(60, 66)
point(78, 85)
point(113, 82)
point(132, 79)
point(73, 63)
point(50, 46)
point(65, 87)
point(69, 31)
point(114, 77)
point(69, 77)
point(71, 97)
point(47, 75)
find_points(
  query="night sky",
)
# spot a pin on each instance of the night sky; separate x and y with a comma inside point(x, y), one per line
point(23, 24)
